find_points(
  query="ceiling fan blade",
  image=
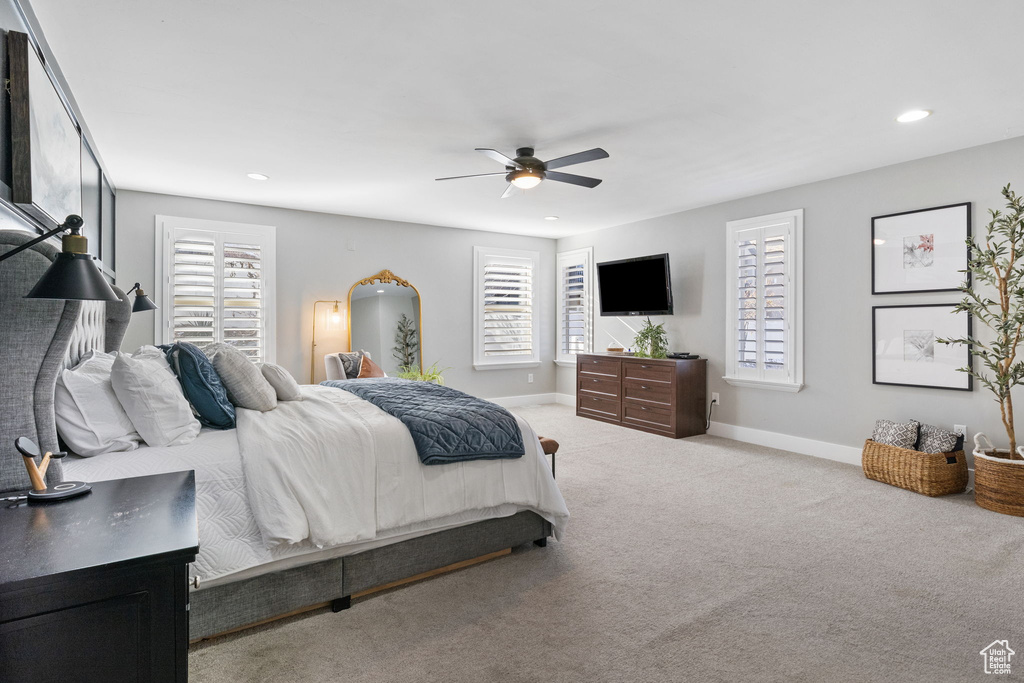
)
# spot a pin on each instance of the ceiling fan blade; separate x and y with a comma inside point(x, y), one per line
point(578, 158)
point(499, 157)
point(580, 180)
point(509, 191)
point(478, 175)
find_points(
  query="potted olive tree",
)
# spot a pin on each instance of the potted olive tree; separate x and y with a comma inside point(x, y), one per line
point(995, 297)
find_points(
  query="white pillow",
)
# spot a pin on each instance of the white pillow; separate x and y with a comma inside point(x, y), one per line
point(150, 394)
point(89, 417)
point(284, 384)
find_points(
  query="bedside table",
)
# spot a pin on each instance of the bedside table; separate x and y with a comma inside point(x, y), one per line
point(95, 588)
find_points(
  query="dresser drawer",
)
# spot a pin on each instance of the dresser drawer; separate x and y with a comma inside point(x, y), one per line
point(647, 390)
point(638, 369)
point(607, 387)
point(647, 415)
point(591, 365)
point(595, 405)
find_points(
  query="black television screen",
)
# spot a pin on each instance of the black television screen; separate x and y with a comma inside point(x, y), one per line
point(635, 286)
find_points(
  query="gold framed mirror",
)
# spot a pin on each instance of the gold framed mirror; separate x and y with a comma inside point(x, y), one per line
point(384, 319)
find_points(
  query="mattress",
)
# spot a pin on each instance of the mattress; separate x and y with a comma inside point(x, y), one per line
point(231, 543)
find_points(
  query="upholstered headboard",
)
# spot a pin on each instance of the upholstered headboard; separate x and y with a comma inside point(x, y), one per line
point(38, 337)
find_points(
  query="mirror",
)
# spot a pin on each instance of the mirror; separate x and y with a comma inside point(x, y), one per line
point(384, 320)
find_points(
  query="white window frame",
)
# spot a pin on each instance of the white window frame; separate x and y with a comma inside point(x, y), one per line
point(568, 258)
point(266, 235)
point(790, 224)
point(481, 362)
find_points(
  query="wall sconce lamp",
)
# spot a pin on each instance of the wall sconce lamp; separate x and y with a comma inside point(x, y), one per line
point(72, 274)
point(142, 302)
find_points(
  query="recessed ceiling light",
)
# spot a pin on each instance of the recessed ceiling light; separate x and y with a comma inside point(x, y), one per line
point(879, 242)
point(913, 115)
point(258, 176)
point(551, 218)
point(380, 291)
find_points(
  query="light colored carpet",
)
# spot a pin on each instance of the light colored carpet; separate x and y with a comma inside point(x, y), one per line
point(699, 559)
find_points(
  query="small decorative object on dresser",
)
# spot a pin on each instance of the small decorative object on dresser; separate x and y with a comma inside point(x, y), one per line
point(661, 396)
point(110, 568)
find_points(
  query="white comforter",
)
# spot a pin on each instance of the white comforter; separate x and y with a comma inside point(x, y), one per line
point(334, 469)
point(231, 545)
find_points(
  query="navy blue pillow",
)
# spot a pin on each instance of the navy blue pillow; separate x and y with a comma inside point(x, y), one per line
point(201, 385)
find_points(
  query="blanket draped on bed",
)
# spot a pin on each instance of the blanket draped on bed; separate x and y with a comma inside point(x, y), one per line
point(447, 425)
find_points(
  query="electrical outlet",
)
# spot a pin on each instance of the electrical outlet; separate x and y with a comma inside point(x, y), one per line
point(529, 378)
point(960, 429)
point(714, 398)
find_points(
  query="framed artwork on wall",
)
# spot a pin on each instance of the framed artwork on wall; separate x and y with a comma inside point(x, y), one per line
point(46, 146)
point(920, 251)
point(906, 350)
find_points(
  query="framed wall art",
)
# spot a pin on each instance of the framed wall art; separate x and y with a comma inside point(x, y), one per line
point(906, 350)
point(920, 251)
point(46, 147)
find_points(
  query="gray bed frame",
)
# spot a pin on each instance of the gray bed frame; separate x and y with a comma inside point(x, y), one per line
point(39, 337)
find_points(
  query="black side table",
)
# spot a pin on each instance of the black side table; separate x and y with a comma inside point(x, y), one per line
point(95, 588)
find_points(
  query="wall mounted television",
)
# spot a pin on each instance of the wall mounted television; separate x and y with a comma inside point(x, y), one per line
point(635, 286)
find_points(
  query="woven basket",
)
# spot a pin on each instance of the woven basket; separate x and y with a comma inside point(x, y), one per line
point(998, 482)
point(931, 474)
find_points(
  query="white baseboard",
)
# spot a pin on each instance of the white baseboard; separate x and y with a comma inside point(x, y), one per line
point(566, 399)
point(525, 400)
point(786, 442)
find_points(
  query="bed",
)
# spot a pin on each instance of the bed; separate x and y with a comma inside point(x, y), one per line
point(242, 581)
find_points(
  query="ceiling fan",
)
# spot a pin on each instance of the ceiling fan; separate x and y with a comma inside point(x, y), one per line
point(526, 170)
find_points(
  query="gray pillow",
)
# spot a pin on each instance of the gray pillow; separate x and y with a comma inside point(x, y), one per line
point(352, 361)
point(284, 384)
point(899, 434)
point(936, 439)
point(246, 385)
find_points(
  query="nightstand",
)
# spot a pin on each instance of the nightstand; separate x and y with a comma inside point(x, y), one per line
point(95, 588)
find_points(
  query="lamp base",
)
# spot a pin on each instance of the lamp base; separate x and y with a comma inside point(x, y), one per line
point(65, 489)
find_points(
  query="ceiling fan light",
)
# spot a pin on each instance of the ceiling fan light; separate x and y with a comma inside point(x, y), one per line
point(526, 179)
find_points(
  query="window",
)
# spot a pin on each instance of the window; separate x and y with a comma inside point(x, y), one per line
point(575, 304)
point(764, 334)
point(504, 320)
point(215, 283)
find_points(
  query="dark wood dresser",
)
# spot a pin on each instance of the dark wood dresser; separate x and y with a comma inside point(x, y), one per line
point(95, 588)
point(658, 395)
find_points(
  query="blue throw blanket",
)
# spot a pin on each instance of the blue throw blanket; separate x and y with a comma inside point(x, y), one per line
point(446, 424)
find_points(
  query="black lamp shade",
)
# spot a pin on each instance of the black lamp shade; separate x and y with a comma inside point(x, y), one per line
point(73, 276)
point(143, 303)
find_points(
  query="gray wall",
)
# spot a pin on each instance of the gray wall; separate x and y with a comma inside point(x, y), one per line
point(839, 403)
point(314, 262)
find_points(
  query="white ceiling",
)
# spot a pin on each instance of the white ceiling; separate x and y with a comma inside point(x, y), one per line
point(355, 107)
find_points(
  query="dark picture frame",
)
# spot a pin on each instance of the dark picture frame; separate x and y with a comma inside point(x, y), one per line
point(923, 250)
point(46, 145)
point(905, 353)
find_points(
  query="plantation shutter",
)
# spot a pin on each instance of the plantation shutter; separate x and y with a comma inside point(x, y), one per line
point(507, 307)
point(215, 288)
point(574, 305)
point(762, 305)
point(242, 302)
point(194, 291)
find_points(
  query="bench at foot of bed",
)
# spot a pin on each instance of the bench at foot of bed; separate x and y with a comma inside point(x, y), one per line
point(225, 608)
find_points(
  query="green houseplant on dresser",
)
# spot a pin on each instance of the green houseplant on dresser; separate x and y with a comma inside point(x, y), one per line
point(651, 341)
point(995, 297)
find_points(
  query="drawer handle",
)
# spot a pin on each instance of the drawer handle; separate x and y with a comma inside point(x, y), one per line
point(193, 581)
point(594, 380)
point(593, 361)
point(643, 386)
point(645, 367)
point(643, 407)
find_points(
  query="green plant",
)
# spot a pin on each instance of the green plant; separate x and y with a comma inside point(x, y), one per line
point(998, 265)
point(651, 341)
point(431, 374)
point(406, 342)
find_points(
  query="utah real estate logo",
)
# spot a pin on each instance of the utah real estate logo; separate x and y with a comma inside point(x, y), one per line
point(997, 657)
